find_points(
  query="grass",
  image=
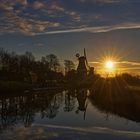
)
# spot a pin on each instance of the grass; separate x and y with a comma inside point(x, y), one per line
point(13, 86)
point(135, 88)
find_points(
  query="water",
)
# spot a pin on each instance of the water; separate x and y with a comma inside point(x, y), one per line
point(57, 114)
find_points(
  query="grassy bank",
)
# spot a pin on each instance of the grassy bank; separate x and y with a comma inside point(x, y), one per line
point(13, 86)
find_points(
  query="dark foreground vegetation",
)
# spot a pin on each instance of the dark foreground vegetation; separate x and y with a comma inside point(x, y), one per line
point(114, 96)
point(20, 72)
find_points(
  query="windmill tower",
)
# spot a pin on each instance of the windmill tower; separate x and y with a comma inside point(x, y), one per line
point(82, 69)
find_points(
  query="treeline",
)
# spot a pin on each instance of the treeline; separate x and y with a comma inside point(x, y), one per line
point(19, 72)
point(26, 68)
point(131, 79)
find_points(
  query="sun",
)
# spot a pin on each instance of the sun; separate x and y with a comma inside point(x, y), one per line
point(110, 68)
point(109, 64)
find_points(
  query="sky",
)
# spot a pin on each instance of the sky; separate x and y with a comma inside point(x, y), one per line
point(106, 28)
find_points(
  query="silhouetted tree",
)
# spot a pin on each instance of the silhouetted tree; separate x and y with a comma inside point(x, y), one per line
point(4, 59)
point(69, 65)
point(53, 62)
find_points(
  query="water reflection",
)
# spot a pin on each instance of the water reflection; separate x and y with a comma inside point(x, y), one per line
point(123, 103)
point(69, 104)
point(81, 96)
point(23, 109)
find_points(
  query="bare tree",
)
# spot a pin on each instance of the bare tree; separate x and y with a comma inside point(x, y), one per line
point(69, 65)
point(53, 62)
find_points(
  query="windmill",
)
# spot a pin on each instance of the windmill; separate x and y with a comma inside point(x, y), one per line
point(86, 62)
point(83, 66)
point(83, 69)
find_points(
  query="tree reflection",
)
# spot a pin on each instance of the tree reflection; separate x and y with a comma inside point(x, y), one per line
point(52, 109)
point(69, 101)
point(23, 109)
point(106, 96)
point(14, 110)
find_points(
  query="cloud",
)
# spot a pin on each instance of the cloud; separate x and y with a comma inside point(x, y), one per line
point(39, 131)
point(97, 130)
point(11, 22)
point(130, 63)
point(38, 5)
point(129, 66)
point(32, 23)
point(120, 66)
point(101, 1)
point(53, 17)
point(55, 6)
point(98, 29)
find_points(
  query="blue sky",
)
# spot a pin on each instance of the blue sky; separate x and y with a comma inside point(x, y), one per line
point(65, 27)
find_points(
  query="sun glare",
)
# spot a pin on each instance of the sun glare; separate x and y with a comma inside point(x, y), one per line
point(109, 68)
point(109, 64)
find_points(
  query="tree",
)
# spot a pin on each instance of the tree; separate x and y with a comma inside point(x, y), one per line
point(4, 59)
point(53, 62)
point(69, 65)
point(27, 62)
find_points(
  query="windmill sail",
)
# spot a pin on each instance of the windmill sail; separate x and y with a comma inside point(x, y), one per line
point(85, 111)
point(86, 57)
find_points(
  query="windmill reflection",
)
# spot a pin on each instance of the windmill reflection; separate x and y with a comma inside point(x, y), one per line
point(81, 96)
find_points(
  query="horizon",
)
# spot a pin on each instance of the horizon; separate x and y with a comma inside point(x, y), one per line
point(119, 67)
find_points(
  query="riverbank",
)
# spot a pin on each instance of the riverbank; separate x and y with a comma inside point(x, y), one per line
point(13, 86)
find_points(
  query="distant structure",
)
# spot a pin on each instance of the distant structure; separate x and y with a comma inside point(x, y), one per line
point(83, 69)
